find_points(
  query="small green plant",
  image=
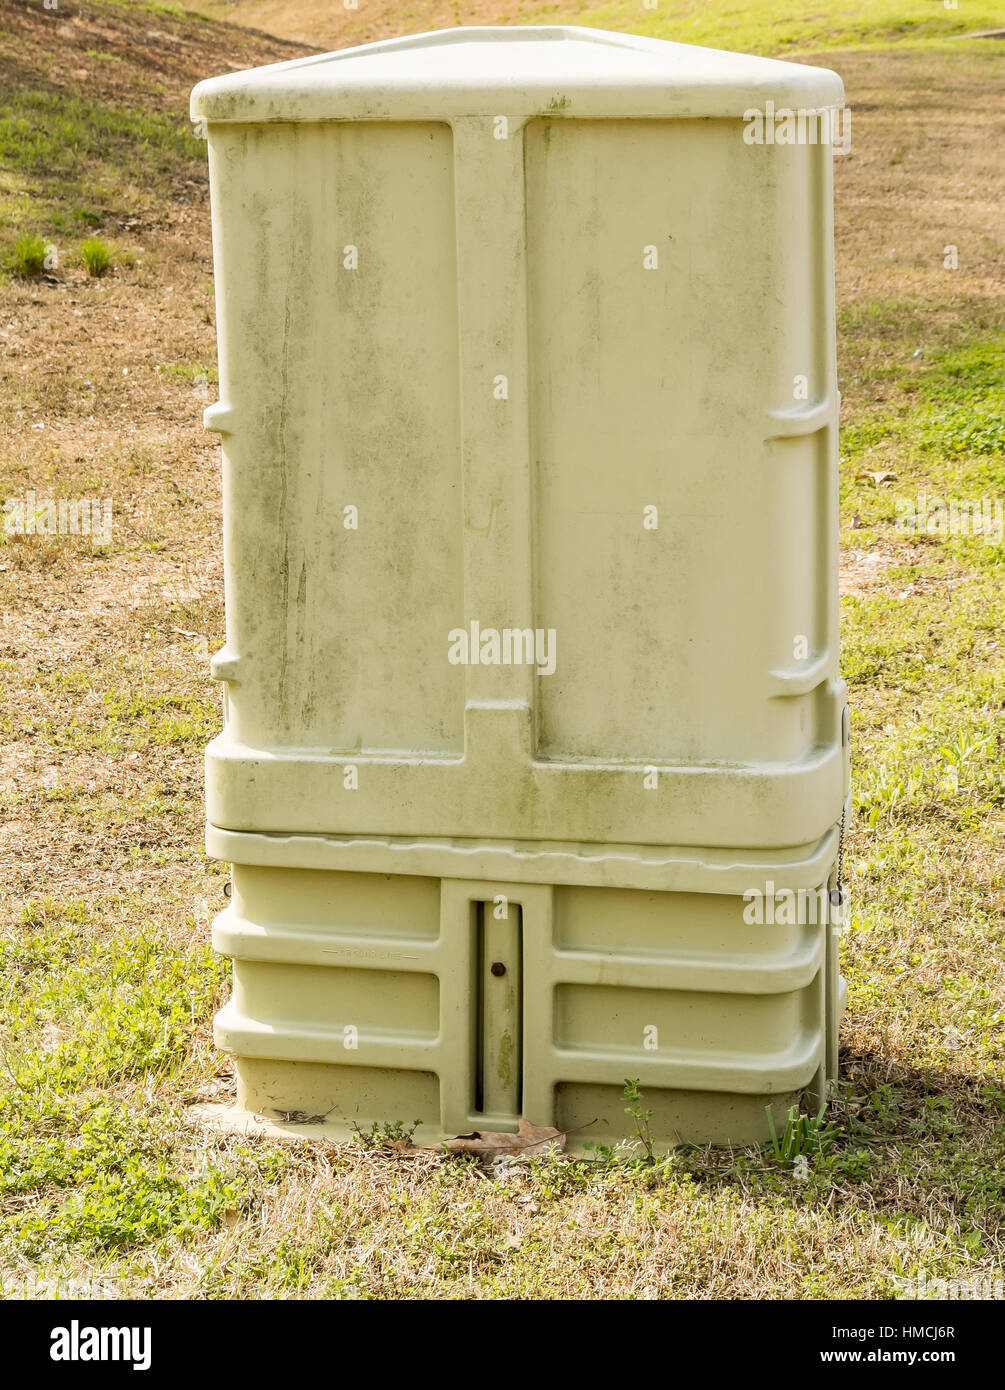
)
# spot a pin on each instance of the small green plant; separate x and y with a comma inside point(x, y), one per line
point(885, 1101)
point(601, 1153)
point(641, 1117)
point(29, 256)
point(96, 255)
point(383, 1133)
point(803, 1134)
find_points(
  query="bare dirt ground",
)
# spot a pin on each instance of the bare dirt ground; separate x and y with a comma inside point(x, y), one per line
point(94, 405)
point(329, 24)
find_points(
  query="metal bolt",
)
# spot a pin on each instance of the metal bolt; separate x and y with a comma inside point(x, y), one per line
point(498, 968)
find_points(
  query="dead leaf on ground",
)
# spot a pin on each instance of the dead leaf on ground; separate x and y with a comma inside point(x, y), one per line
point(486, 1144)
point(404, 1148)
point(882, 477)
point(528, 1140)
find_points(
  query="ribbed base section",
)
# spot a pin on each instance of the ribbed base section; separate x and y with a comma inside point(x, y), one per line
point(365, 998)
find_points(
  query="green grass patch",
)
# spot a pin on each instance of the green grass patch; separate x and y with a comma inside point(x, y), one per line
point(29, 256)
point(192, 372)
point(47, 133)
point(96, 255)
point(66, 148)
point(950, 407)
point(773, 26)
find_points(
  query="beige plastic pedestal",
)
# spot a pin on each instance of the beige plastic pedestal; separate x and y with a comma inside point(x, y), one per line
point(526, 355)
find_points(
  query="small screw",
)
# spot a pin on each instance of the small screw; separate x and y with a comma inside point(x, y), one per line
point(498, 968)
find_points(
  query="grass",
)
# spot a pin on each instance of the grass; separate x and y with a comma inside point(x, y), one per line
point(96, 255)
point(107, 981)
point(774, 26)
point(754, 26)
point(69, 149)
point(93, 1018)
point(952, 406)
point(29, 257)
point(193, 372)
point(45, 134)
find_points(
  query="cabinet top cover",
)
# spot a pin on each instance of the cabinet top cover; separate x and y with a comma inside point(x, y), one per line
point(549, 71)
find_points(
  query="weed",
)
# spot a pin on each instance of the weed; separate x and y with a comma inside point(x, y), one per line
point(29, 256)
point(634, 1110)
point(802, 1135)
point(600, 1152)
point(96, 255)
point(384, 1134)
